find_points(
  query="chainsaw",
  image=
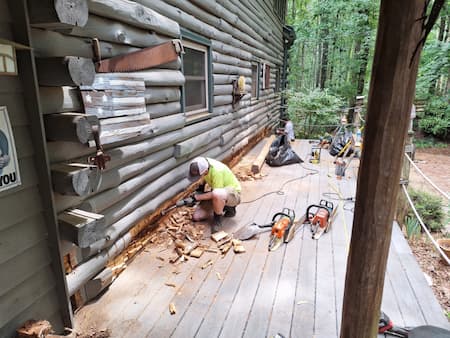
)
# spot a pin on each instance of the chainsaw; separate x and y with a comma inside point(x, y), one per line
point(282, 229)
point(320, 216)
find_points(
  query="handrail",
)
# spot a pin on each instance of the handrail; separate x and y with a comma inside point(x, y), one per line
point(444, 256)
point(426, 178)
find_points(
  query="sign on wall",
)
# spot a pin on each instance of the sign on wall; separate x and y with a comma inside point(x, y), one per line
point(9, 167)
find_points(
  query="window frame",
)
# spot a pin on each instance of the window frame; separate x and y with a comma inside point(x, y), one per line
point(194, 41)
point(258, 80)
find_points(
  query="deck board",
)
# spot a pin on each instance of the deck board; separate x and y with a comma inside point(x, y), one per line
point(296, 291)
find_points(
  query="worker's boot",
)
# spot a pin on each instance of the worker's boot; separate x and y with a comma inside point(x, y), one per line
point(217, 224)
point(229, 211)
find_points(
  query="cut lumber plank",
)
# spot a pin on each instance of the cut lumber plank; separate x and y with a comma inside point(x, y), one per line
point(58, 14)
point(65, 71)
point(259, 161)
point(75, 178)
point(81, 227)
point(71, 127)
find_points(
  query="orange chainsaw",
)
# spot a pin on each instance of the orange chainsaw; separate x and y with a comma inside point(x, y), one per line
point(320, 217)
point(282, 229)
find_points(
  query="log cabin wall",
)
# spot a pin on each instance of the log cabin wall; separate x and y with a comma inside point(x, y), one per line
point(97, 210)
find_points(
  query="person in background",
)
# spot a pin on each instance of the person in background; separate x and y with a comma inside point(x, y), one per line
point(225, 192)
point(288, 129)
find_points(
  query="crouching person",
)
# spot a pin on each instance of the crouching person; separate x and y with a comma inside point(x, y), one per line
point(225, 192)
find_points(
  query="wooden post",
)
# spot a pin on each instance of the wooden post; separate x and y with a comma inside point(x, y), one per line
point(390, 97)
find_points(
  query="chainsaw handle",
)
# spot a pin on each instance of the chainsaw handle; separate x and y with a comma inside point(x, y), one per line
point(318, 207)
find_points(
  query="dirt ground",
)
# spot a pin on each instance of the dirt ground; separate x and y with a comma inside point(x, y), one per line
point(435, 163)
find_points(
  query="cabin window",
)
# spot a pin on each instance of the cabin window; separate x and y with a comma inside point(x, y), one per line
point(265, 76)
point(277, 80)
point(197, 90)
point(255, 81)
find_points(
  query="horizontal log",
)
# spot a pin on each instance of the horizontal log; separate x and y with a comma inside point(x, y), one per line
point(53, 44)
point(223, 89)
point(72, 127)
point(74, 179)
point(118, 32)
point(230, 50)
point(63, 151)
point(223, 110)
point(113, 103)
point(66, 71)
point(135, 14)
point(187, 147)
point(80, 227)
point(60, 99)
point(162, 94)
point(97, 284)
point(219, 68)
point(58, 14)
point(222, 100)
point(163, 109)
point(159, 78)
point(131, 83)
point(230, 60)
point(122, 122)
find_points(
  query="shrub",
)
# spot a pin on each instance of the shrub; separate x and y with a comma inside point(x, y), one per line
point(412, 227)
point(314, 113)
point(429, 208)
point(435, 120)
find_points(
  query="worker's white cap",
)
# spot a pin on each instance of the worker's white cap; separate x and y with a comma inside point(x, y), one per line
point(197, 168)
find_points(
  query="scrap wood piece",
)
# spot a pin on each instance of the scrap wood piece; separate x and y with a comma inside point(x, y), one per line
point(172, 308)
point(259, 161)
point(189, 248)
point(208, 263)
point(224, 241)
point(217, 236)
point(212, 250)
point(226, 248)
point(173, 285)
point(239, 248)
point(197, 253)
point(219, 276)
point(34, 329)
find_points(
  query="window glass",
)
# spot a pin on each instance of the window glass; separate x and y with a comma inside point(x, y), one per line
point(254, 80)
point(195, 73)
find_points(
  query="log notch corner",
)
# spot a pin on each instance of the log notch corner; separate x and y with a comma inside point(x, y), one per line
point(58, 14)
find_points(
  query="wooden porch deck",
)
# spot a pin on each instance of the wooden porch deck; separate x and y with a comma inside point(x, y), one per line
point(296, 291)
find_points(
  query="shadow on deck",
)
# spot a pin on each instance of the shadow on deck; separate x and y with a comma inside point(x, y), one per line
point(296, 291)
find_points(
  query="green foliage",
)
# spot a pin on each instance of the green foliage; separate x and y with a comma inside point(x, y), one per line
point(429, 208)
point(313, 113)
point(428, 142)
point(412, 227)
point(435, 120)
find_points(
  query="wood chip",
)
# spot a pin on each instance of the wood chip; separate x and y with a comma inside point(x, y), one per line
point(160, 258)
point(180, 244)
point(219, 276)
point(224, 241)
point(212, 250)
point(208, 263)
point(224, 249)
point(218, 236)
point(171, 285)
point(236, 242)
point(197, 253)
point(189, 248)
point(238, 248)
point(172, 308)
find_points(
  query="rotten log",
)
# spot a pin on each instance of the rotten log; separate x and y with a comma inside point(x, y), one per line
point(58, 14)
point(71, 127)
point(80, 227)
point(60, 100)
point(66, 71)
point(74, 179)
point(136, 15)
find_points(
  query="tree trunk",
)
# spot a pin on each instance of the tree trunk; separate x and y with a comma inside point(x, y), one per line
point(390, 99)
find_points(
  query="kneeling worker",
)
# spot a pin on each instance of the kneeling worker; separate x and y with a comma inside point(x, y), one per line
point(224, 196)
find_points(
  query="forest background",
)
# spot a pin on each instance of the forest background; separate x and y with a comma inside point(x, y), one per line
point(331, 61)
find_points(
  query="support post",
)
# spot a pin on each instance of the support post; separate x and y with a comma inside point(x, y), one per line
point(390, 98)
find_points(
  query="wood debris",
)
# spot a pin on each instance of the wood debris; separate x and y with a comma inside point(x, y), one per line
point(172, 308)
point(216, 237)
point(219, 276)
point(237, 246)
point(173, 285)
point(208, 263)
point(197, 253)
point(34, 329)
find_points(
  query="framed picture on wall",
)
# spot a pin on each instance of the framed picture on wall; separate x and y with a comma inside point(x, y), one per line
point(9, 164)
